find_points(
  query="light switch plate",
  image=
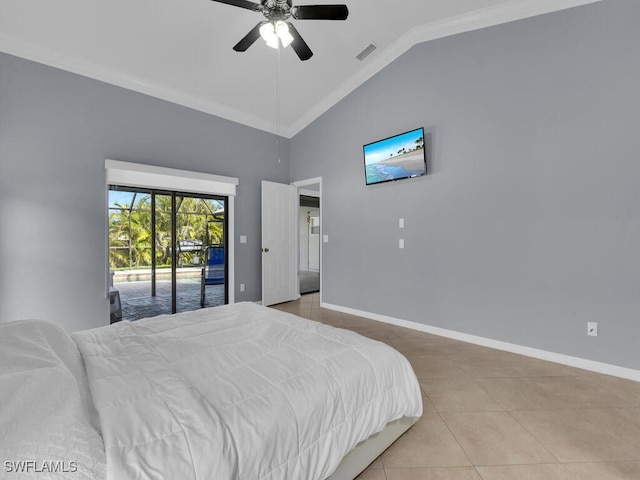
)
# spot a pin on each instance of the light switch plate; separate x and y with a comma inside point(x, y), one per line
point(325, 238)
point(401, 223)
point(401, 243)
point(243, 239)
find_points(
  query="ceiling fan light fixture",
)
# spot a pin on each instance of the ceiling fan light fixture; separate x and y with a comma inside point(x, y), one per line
point(282, 30)
point(276, 29)
point(268, 34)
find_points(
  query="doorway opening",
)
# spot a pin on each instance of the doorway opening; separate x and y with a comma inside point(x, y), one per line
point(310, 236)
point(167, 251)
point(309, 244)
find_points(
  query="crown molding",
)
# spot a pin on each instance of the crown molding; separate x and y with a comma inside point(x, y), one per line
point(29, 51)
point(503, 13)
point(486, 17)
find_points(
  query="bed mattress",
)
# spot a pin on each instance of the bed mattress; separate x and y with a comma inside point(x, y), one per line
point(240, 392)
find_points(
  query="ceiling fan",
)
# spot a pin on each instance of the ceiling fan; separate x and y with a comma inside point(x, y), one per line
point(276, 29)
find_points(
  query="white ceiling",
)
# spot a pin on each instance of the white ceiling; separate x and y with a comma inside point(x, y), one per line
point(181, 50)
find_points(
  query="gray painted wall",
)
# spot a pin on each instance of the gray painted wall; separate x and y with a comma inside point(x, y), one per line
point(56, 130)
point(528, 223)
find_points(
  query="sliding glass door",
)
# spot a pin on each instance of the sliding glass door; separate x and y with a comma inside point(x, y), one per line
point(200, 262)
point(166, 251)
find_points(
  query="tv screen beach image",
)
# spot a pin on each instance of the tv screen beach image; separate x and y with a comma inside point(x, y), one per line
point(397, 157)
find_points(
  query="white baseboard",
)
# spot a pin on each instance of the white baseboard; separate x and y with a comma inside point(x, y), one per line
point(577, 362)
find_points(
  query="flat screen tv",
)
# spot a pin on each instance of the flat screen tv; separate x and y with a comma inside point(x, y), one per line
point(394, 158)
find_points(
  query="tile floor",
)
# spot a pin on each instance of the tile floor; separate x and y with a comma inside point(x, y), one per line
point(493, 415)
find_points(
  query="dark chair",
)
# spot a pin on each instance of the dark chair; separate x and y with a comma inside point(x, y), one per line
point(213, 272)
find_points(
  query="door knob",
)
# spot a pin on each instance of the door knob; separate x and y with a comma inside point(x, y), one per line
point(265, 250)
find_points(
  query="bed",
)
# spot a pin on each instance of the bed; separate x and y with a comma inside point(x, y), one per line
point(233, 392)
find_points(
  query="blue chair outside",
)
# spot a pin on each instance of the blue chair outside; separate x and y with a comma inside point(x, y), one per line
point(213, 272)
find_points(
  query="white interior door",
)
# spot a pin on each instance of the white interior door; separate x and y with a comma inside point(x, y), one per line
point(279, 217)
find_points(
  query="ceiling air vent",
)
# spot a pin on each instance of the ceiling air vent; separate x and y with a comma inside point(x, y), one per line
point(366, 52)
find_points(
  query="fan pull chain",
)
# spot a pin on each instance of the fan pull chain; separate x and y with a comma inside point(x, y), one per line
point(278, 105)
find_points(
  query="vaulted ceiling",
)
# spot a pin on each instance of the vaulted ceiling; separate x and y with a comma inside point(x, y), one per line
point(181, 50)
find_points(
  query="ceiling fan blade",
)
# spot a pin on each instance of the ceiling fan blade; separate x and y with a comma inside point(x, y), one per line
point(249, 39)
point(320, 12)
point(299, 45)
point(242, 4)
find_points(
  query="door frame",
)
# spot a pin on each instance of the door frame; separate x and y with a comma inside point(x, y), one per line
point(300, 184)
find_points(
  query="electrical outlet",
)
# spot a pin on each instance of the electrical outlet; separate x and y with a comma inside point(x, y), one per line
point(592, 329)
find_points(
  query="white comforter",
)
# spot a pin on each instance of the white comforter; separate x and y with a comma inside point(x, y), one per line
point(239, 392)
